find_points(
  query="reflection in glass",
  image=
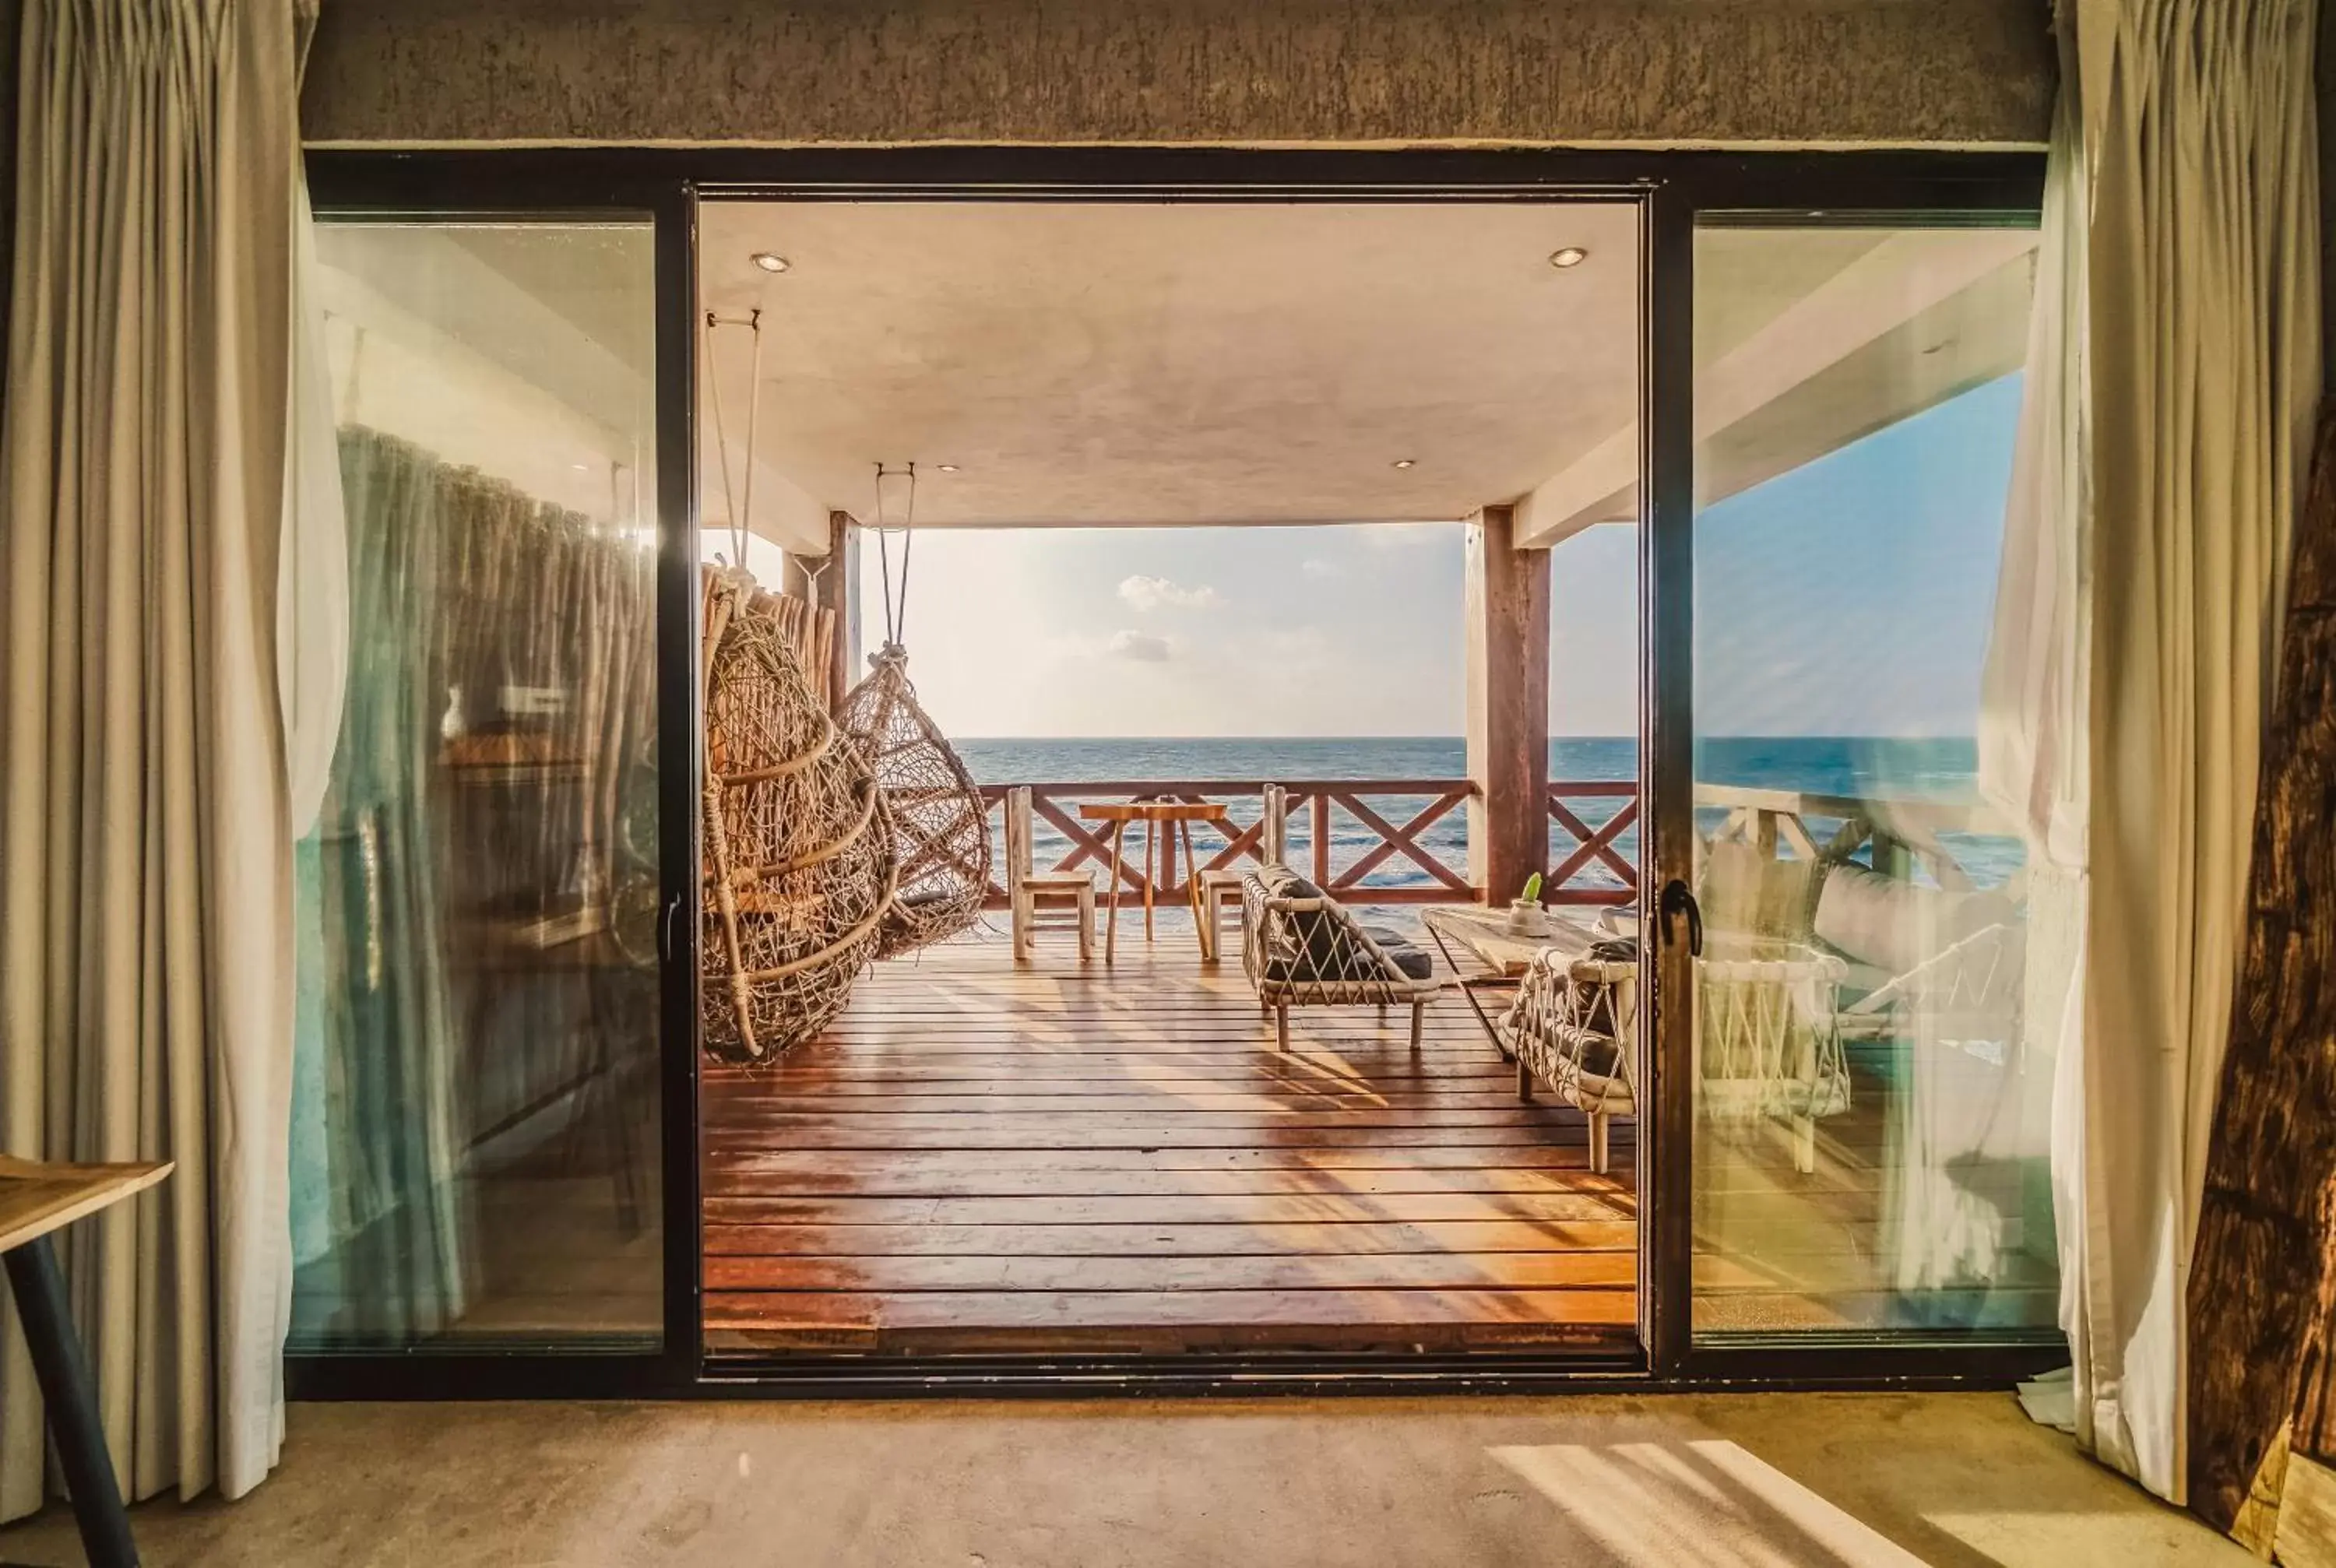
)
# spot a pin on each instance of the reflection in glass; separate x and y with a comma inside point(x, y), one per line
point(475, 1081)
point(1871, 1107)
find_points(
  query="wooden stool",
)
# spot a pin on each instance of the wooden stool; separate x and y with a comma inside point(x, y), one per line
point(1055, 887)
point(1215, 889)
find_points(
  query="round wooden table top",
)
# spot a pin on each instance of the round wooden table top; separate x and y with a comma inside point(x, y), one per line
point(1152, 811)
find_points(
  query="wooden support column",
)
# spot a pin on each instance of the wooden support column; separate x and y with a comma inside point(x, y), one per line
point(837, 588)
point(1507, 631)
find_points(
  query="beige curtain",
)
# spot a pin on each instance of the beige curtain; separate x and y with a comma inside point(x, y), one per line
point(145, 942)
point(2198, 338)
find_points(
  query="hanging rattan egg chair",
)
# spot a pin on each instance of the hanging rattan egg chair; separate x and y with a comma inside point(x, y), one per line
point(941, 824)
point(799, 864)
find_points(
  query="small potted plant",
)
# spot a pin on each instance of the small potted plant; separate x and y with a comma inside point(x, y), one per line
point(1526, 916)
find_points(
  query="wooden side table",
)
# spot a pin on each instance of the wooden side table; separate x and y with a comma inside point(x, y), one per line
point(35, 1201)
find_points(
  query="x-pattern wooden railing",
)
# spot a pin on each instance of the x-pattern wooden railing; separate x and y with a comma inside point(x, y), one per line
point(1314, 812)
point(1325, 800)
point(1592, 846)
point(1314, 803)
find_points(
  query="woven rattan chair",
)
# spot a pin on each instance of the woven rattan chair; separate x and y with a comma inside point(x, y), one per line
point(1574, 1026)
point(1302, 948)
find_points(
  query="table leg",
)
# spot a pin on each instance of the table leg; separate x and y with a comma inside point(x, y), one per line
point(1111, 917)
point(1150, 869)
point(1192, 880)
point(62, 1372)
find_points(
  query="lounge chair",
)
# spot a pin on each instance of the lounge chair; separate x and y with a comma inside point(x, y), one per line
point(1303, 949)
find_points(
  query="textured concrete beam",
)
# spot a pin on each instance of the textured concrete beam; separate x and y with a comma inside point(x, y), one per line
point(1790, 71)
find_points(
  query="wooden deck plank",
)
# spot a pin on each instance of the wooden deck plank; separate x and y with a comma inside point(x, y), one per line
point(784, 1242)
point(1603, 1270)
point(1179, 1209)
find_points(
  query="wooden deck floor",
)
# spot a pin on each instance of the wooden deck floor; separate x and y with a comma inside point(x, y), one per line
point(985, 1156)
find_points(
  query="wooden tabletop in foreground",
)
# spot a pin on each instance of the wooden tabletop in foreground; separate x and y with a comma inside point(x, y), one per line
point(1485, 933)
point(37, 1197)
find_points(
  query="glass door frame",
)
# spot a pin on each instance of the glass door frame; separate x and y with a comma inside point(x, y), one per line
point(465, 187)
point(1671, 188)
point(1775, 195)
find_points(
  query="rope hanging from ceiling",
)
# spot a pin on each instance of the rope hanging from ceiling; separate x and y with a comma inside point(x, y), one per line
point(941, 824)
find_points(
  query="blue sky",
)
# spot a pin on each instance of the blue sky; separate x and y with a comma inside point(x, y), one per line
point(1848, 597)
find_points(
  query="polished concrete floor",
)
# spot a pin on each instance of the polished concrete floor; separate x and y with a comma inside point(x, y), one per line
point(1743, 1481)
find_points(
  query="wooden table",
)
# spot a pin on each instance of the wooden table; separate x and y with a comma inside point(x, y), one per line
point(1484, 932)
point(36, 1199)
point(1179, 816)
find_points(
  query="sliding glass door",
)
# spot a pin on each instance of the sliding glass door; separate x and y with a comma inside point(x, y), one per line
point(1857, 1021)
point(477, 1143)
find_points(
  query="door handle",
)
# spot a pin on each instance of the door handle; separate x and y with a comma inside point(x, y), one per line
point(1680, 900)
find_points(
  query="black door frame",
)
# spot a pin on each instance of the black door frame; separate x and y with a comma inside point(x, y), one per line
point(1671, 190)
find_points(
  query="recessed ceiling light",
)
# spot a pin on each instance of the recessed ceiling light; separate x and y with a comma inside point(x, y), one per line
point(1571, 256)
point(770, 260)
point(946, 467)
point(1406, 462)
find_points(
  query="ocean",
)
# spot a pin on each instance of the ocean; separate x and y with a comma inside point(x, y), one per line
point(1942, 770)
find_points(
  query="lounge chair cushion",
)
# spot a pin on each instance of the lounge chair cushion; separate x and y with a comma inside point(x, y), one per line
point(1892, 924)
point(1403, 953)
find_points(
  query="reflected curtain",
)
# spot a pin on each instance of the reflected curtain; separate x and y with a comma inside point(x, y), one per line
point(145, 954)
point(392, 1256)
point(486, 804)
point(2172, 414)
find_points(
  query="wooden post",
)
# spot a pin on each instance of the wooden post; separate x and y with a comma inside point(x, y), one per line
point(1507, 632)
point(838, 588)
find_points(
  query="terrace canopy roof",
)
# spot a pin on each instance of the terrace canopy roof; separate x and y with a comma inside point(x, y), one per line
point(1085, 363)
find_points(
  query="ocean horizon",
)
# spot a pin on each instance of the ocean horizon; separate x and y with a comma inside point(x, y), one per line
point(1941, 769)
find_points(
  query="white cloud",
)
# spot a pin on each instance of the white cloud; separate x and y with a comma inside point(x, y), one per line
point(1147, 594)
point(1142, 646)
point(1314, 566)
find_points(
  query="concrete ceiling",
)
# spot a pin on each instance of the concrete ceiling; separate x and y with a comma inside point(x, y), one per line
point(1106, 363)
point(1174, 364)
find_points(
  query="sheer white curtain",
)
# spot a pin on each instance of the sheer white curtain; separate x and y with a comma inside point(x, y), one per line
point(145, 849)
point(2171, 403)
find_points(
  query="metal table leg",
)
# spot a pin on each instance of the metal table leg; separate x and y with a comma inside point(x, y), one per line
point(71, 1400)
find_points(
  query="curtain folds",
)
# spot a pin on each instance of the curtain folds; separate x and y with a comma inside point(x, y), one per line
point(145, 849)
point(2170, 405)
point(494, 770)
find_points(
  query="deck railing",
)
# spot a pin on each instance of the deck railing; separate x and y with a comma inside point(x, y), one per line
point(1385, 841)
point(1399, 840)
point(1903, 834)
point(1595, 870)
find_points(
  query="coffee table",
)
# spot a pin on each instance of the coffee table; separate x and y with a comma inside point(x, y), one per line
point(1485, 933)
